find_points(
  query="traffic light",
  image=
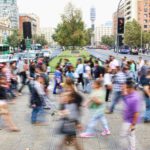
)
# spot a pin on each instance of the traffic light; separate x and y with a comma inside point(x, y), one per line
point(121, 25)
point(120, 40)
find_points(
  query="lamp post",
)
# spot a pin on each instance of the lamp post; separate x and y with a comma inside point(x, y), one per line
point(117, 43)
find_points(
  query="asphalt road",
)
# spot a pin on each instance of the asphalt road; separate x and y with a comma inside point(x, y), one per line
point(104, 54)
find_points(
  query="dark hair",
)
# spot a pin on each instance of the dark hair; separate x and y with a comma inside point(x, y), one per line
point(130, 83)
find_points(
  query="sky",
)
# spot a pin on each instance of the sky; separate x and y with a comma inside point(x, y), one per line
point(50, 11)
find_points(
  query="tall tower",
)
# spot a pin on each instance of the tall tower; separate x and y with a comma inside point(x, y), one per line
point(9, 10)
point(92, 18)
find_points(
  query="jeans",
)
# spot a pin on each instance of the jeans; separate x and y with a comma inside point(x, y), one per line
point(56, 85)
point(37, 112)
point(147, 111)
point(87, 85)
point(116, 99)
point(128, 136)
point(24, 78)
point(94, 121)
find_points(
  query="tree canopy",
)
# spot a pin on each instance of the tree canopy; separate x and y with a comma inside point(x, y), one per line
point(132, 36)
point(71, 30)
point(108, 40)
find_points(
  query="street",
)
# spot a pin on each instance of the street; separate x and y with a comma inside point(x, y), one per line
point(103, 55)
point(45, 138)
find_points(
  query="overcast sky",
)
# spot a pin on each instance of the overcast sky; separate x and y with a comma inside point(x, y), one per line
point(49, 11)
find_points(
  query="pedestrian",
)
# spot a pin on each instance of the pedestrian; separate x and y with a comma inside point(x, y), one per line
point(57, 79)
point(98, 71)
point(38, 101)
point(96, 103)
point(108, 83)
point(23, 75)
point(119, 80)
point(146, 86)
point(87, 77)
point(80, 70)
point(70, 119)
point(4, 111)
point(132, 103)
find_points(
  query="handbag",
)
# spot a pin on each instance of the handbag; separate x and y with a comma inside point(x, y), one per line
point(68, 127)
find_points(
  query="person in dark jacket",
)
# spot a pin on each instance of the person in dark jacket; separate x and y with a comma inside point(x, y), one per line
point(37, 100)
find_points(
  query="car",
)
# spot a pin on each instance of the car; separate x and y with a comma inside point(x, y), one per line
point(124, 50)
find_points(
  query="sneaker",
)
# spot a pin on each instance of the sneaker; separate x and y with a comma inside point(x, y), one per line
point(20, 94)
point(105, 132)
point(86, 135)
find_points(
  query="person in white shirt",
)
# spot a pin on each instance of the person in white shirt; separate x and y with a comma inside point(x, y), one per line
point(114, 62)
point(108, 83)
point(87, 76)
point(80, 71)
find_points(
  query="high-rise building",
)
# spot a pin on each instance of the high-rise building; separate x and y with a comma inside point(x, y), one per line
point(130, 10)
point(101, 31)
point(9, 9)
point(144, 14)
point(48, 32)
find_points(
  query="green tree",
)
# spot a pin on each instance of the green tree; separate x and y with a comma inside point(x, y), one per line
point(132, 36)
point(108, 40)
point(14, 39)
point(39, 39)
point(71, 31)
point(145, 38)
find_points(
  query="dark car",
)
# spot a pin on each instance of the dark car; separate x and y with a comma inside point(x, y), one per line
point(124, 50)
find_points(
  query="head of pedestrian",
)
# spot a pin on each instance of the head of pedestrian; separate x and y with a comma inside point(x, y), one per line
point(96, 63)
point(130, 85)
point(40, 79)
point(97, 84)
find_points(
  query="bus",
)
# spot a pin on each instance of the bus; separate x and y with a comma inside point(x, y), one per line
point(4, 49)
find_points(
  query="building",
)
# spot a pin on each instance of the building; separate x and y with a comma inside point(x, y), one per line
point(9, 9)
point(35, 22)
point(131, 10)
point(5, 29)
point(101, 31)
point(120, 14)
point(144, 14)
point(48, 32)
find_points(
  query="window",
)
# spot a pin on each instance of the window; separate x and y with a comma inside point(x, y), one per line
point(145, 26)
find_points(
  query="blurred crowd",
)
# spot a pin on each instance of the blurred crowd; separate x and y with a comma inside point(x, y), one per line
point(91, 83)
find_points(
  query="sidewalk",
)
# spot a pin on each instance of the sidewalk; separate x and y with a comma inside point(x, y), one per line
point(44, 138)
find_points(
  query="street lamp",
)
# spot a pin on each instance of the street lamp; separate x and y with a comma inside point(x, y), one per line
point(117, 43)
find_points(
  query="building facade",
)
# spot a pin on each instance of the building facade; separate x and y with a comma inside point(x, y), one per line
point(144, 14)
point(5, 29)
point(131, 10)
point(35, 22)
point(48, 32)
point(100, 32)
point(9, 9)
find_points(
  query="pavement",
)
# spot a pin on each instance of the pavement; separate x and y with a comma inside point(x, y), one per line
point(45, 137)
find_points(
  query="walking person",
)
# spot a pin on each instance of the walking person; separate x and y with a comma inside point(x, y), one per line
point(132, 103)
point(97, 103)
point(4, 111)
point(108, 83)
point(146, 86)
point(38, 101)
point(80, 71)
point(119, 80)
point(70, 119)
point(23, 75)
